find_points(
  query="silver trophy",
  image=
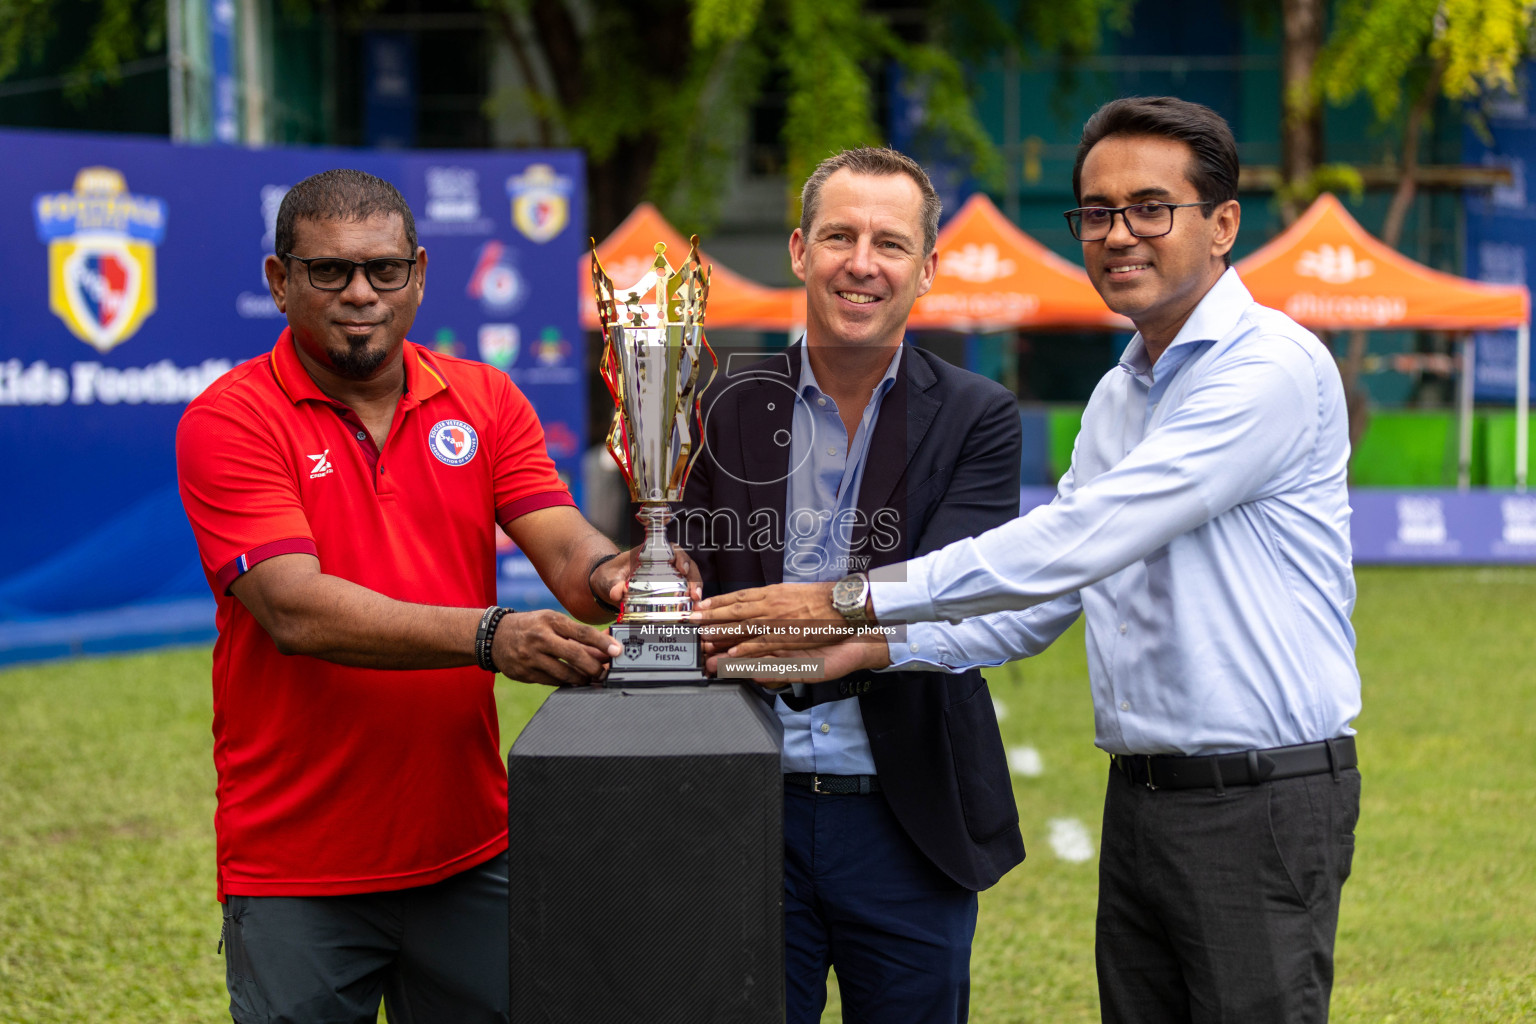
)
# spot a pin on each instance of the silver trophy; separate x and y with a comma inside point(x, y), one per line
point(656, 363)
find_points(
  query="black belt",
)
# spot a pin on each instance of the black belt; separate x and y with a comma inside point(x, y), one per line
point(837, 785)
point(1248, 768)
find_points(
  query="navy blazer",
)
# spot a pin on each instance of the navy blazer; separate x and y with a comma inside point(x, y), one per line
point(943, 465)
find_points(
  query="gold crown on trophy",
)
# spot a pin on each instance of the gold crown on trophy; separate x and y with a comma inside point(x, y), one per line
point(664, 297)
point(653, 363)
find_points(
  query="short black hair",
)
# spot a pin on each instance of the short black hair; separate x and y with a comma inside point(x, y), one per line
point(1213, 171)
point(340, 194)
point(879, 162)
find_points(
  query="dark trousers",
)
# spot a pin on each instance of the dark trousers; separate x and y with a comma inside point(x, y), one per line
point(1221, 908)
point(437, 954)
point(862, 899)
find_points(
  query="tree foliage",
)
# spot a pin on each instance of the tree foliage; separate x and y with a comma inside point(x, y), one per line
point(120, 31)
point(658, 92)
point(1384, 49)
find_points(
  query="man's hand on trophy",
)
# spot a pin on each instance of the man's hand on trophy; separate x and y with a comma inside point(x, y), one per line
point(551, 649)
point(611, 579)
point(782, 617)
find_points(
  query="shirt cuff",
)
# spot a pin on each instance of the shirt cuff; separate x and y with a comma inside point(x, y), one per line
point(532, 503)
point(919, 652)
point(900, 592)
point(248, 560)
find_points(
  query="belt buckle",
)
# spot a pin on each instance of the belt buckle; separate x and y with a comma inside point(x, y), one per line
point(1150, 783)
point(816, 785)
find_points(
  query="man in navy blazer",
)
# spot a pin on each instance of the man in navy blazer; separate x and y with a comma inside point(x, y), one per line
point(848, 451)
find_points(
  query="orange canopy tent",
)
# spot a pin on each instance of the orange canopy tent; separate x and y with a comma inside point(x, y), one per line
point(992, 276)
point(734, 301)
point(1328, 273)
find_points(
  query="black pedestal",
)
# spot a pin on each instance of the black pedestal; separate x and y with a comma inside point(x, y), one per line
point(646, 859)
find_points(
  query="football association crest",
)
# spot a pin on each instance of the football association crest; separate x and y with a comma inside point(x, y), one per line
point(541, 202)
point(453, 442)
point(101, 255)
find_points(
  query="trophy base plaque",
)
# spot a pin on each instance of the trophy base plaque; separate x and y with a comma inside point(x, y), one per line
point(657, 654)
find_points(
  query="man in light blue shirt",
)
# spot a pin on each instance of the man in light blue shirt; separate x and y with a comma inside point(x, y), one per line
point(1203, 532)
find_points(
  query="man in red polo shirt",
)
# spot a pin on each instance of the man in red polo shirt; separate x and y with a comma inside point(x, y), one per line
point(345, 491)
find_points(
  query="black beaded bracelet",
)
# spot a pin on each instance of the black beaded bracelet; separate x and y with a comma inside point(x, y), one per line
point(602, 602)
point(486, 635)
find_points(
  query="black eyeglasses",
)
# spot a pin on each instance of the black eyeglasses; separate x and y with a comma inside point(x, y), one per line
point(1144, 220)
point(333, 274)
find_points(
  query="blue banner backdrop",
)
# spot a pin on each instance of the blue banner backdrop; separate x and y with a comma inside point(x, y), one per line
point(1501, 228)
point(132, 278)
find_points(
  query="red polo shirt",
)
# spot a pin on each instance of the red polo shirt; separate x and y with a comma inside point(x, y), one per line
point(335, 779)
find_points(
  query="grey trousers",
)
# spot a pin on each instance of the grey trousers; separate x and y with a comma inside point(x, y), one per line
point(437, 954)
point(1222, 908)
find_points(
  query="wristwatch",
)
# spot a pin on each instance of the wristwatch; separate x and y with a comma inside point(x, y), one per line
point(849, 595)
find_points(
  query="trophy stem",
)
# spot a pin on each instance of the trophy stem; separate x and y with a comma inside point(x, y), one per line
point(657, 591)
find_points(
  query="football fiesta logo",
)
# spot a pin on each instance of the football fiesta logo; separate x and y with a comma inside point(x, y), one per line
point(101, 242)
point(541, 202)
point(454, 442)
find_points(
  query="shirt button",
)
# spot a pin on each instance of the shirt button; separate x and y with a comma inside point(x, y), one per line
point(831, 451)
point(1123, 628)
point(914, 648)
point(821, 401)
point(361, 435)
point(1125, 705)
point(826, 727)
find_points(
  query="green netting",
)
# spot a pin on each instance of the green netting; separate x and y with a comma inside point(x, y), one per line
point(1402, 448)
point(1406, 449)
point(1064, 423)
point(1498, 462)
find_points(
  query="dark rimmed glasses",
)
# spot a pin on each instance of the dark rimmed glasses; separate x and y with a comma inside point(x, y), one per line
point(333, 274)
point(1144, 220)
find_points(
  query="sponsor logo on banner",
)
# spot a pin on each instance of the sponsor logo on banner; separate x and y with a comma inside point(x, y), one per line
point(258, 304)
point(453, 203)
point(1421, 528)
point(498, 345)
point(447, 342)
point(977, 264)
point(552, 356)
point(1519, 516)
point(541, 202)
point(553, 349)
point(495, 282)
point(454, 442)
point(1420, 520)
point(560, 439)
point(1333, 265)
point(101, 242)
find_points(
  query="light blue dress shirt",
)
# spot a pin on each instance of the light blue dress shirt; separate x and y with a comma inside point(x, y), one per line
point(1203, 530)
point(821, 501)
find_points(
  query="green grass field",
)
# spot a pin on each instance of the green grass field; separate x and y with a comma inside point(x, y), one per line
point(106, 840)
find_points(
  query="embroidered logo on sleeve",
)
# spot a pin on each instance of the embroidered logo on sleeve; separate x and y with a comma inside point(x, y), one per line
point(454, 442)
point(322, 465)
